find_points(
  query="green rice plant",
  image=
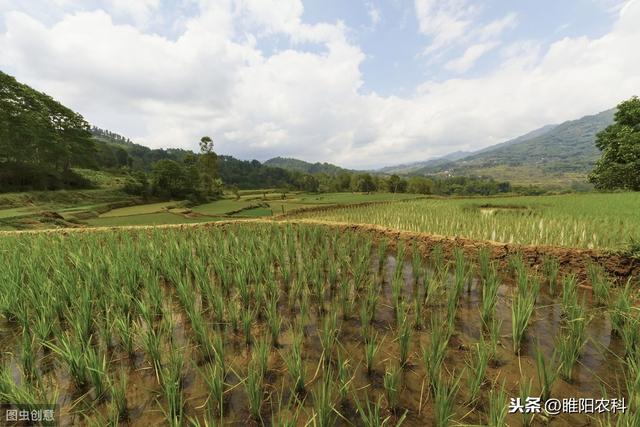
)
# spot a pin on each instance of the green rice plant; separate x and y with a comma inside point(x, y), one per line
point(71, 351)
point(416, 262)
point(274, 320)
point(497, 406)
point(570, 344)
point(171, 383)
point(365, 319)
point(495, 326)
point(347, 300)
point(397, 282)
point(391, 383)
point(489, 296)
point(477, 363)
point(328, 334)
point(119, 395)
point(484, 263)
point(525, 392)
point(371, 347)
point(123, 326)
point(213, 375)
point(248, 317)
point(462, 272)
point(295, 364)
point(621, 309)
point(569, 293)
point(434, 353)
point(437, 260)
point(599, 284)
point(29, 356)
point(431, 287)
point(324, 411)
point(550, 267)
point(630, 334)
point(219, 352)
point(234, 314)
point(96, 363)
point(344, 377)
point(546, 371)
point(522, 309)
point(403, 336)
point(18, 391)
point(151, 339)
point(371, 414)
point(445, 392)
point(632, 383)
point(260, 355)
point(254, 388)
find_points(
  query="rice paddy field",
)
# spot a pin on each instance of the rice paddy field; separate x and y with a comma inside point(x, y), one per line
point(283, 324)
point(593, 220)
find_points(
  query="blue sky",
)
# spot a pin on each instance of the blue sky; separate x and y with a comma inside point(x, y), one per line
point(359, 83)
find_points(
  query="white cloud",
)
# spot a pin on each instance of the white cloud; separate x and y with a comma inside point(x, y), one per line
point(469, 57)
point(375, 16)
point(214, 80)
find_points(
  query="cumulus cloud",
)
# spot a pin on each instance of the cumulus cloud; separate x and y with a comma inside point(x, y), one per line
point(213, 79)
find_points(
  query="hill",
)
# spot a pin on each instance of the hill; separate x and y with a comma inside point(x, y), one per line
point(296, 165)
point(555, 154)
point(408, 168)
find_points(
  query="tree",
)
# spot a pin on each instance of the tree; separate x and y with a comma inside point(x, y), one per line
point(619, 164)
point(420, 185)
point(363, 183)
point(208, 162)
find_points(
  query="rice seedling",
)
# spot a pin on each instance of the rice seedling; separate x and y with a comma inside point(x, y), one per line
point(522, 309)
point(569, 292)
point(371, 413)
point(274, 320)
point(497, 406)
point(344, 377)
point(599, 284)
point(489, 296)
point(391, 382)
point(171, 383)
point(294, 363)
point(546, 371)
point(570, 344)
point(445, 392)
point(71, 351)
point(550, 267)
point(248, 317)
point(118, 391)
point(329, 334)
point(434, 353)
point(371, 347)
point(484, 263)
point(477, 364)
point(621, 309)
point(495, 326)
point(260, 355)
point(525, 393)
point(403, 336)
point(123, 326)
point(96, 363)
point(324, 412)
point(437, 259)
point(253, 384)
point(213, 375)
point(28, 356)
point(631, 334)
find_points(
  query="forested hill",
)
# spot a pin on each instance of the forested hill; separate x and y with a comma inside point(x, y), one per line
point(564, 152)
point(304, 167)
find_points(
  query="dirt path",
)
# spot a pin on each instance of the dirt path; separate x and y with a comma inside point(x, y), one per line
point(571, 260)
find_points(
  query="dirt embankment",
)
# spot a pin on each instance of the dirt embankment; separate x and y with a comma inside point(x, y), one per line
point(618, 267)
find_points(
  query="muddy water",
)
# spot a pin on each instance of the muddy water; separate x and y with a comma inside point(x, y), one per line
point(599, 366)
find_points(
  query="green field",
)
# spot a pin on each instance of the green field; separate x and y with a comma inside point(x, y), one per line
point(267, 323)
point(606, 221)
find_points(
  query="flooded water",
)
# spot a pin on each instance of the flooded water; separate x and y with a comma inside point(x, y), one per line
point(599, 367)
